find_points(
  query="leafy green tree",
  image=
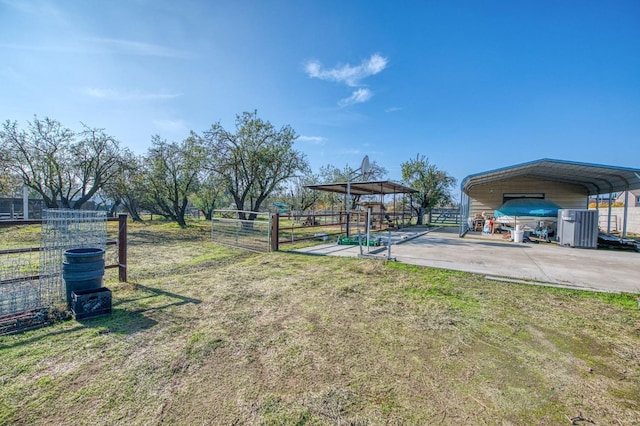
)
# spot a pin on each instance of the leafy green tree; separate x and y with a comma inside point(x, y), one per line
point(254, 160)
point(434, 186)
point(171, 176)
point(66, 169)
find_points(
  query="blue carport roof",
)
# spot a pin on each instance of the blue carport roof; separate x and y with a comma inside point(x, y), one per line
point(595, 178)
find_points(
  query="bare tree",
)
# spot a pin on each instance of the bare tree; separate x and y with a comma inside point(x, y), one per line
point(254, 160)
point(5, 175)
point(66, 172)
point(172, 171)
point(95, 160)
point(304, 198)
point(127, 188)
point(39, 156)
point(295, 195)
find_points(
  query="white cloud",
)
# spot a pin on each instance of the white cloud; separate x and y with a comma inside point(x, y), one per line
point(117, 95)
point(393, 109)
point(137, 48)
point(350, 75)
point(93, 46)
point(357, 97)
point(316, 140)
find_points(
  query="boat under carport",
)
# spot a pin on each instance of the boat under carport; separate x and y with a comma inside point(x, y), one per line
point(569, 181)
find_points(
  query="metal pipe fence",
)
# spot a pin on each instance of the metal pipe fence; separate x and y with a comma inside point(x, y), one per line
point(229, 229)
point(299, 227)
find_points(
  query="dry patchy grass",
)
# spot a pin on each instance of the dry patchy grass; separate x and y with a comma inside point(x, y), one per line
point(207, 335)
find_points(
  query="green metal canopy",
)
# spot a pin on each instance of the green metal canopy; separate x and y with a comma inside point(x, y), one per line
point(595, 178)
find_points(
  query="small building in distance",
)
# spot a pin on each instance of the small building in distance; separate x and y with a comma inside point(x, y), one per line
point(634, 198)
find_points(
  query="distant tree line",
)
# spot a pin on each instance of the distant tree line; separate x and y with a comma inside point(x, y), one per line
point(63, 167)
point(249, 168)
point(208, 170)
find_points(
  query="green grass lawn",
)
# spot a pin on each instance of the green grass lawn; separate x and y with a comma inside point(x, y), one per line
point(203, 334)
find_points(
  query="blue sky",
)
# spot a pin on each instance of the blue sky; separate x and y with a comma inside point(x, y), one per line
point(472, 85)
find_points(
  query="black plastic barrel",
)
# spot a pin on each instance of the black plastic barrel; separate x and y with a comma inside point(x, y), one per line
point(82, 269)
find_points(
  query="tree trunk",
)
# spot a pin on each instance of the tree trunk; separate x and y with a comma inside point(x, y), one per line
point(113, 209)
point(180, 219)
point(420, 216)
point(131, 206)
point(135, 216)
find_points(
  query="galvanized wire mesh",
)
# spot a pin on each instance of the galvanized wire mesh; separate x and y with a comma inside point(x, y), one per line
point(228, 229)
point(63, 230)
point(19, 286)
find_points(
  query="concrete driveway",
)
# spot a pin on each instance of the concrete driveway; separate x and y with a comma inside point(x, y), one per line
point(543, 263)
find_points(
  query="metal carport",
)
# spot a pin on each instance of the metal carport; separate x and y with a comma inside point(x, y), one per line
point(597, 179)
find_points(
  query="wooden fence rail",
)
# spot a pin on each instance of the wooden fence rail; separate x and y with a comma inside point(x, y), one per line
point(120, 242)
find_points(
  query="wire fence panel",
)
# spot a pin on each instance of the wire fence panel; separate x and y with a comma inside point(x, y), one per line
point(19, 286)
point(63, 230)
point(229, 229)
point(31, 278)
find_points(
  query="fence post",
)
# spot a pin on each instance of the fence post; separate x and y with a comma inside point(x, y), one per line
point(275, 230)
point(122, 248)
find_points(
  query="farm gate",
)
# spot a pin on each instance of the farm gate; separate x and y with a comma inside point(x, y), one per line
point(445, 216)
point(242, 229)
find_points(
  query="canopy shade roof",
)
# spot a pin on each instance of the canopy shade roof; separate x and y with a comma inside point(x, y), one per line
point(595, 178)
point(365, 188)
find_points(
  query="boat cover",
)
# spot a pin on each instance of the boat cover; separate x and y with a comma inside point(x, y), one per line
point(528, 207)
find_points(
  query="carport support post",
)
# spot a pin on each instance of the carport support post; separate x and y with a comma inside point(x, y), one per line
point(348, 220)
point(626, 207)
point(609, 213)
point(275, 230)
point(369, 226)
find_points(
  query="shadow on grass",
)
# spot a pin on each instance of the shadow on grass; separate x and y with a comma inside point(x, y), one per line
point(119, 321)
point(133, 319)
point(151, 292)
